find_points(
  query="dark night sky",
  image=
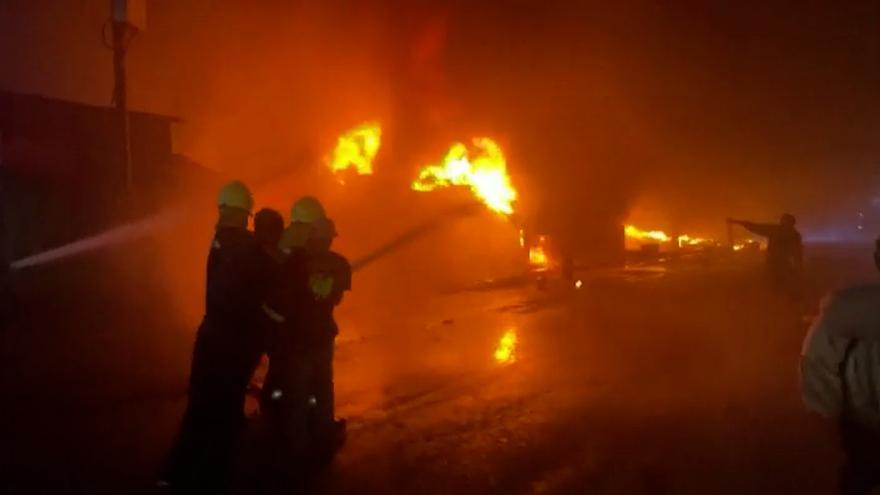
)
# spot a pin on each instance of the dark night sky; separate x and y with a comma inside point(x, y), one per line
point(733, 106)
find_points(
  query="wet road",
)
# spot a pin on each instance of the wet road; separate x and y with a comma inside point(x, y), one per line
point(675, 382)
point(660, 384)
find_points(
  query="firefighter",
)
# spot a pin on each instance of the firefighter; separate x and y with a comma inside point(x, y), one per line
point(299, 386)
point(784, 249)
point(284, 400)
point(228, 346)
point(268, 229)
point(840, 378)
point(329, 278)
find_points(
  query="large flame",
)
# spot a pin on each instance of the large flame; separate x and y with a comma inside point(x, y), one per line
point(356, 149)
point(505, 353)
point(482, 168)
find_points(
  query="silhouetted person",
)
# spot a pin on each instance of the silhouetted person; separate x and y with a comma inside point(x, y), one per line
point(284, 401)
point(298, 398)
point(229, 343)
point(329, 278)
point(840, 375)
point(785, 252)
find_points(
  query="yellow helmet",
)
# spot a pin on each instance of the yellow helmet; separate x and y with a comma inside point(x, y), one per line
point(307, 209)
point(235, 195)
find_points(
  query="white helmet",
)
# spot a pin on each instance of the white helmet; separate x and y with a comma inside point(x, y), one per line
point(307, 209)
point(235, 195)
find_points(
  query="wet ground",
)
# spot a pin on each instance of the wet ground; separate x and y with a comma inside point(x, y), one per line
point(681, 380)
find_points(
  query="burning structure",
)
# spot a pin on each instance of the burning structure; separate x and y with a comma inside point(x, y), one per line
point(482, 168)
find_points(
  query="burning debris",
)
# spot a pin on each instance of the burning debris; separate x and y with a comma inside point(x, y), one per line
point(355, 150)
point(505, 353)
point(656, 236)
point(749, 245)
point(482, 168)
point(637, 238)
point(538, 258)
point(686, 240)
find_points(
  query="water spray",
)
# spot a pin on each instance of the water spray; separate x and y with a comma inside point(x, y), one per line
point(147, 226)
point(415, 233)
point(117, 235)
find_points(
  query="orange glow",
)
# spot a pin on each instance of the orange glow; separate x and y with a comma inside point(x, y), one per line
point(522, 238)
point(635, 233)
point(750, 244)
point(686, 240)
point(482, 168)
point(578, 284)
point(356, 149)
point(538, 258)
point(636, 237)
point(505, 352)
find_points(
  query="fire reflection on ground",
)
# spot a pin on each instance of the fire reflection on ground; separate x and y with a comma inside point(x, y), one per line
point(505, 353)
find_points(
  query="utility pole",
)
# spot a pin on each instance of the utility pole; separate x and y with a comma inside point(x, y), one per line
point(128, 17)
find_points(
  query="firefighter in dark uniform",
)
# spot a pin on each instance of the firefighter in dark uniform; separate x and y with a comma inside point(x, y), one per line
point(229, 343)
point(329, 278)
point(299, 396)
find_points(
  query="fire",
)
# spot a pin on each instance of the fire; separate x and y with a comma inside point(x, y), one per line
point(686, 240)
point(356, 149)
point(637, 236)
point(481, 167)
point(505, 353)
point(538, 258)
point(633, 232)
point(749, 244)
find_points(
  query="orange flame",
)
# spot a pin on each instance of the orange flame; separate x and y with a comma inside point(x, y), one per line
point(356, 149)
point(505, 352)
point(538, 255)
point(636, 236)
point(482, 168)
point(633, 232)
point(749, 244)
point(686, 240)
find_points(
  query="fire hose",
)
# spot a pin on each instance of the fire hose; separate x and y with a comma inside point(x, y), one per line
point(146, 227)
point(415, 233)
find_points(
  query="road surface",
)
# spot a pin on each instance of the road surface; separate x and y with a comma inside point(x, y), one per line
point(677, 380)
